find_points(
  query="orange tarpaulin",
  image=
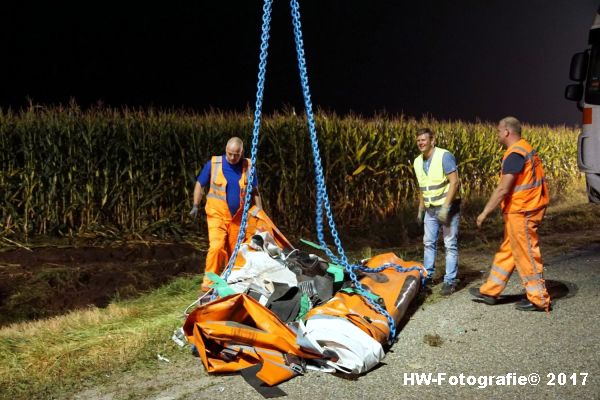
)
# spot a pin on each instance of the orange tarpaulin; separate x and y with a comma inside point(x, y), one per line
point(236, 332)
point(395, 289)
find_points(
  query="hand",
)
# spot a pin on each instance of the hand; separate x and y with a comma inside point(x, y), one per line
point(420, 216)
point(194, 212)
point(480, 218)
point(443, 214)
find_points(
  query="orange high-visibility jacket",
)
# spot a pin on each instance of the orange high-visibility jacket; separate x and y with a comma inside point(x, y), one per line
point(216, 199)
point(530, 191)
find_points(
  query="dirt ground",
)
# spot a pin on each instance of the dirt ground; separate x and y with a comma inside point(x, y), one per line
point(48, 281)
point(45, 281)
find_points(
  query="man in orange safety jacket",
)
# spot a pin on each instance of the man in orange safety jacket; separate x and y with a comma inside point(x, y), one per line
point(523, 197)
point(227, 180)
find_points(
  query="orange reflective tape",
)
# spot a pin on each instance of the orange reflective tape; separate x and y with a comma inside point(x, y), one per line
point(587, 116)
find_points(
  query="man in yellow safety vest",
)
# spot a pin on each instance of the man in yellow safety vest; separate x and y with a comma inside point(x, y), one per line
point(439, 205)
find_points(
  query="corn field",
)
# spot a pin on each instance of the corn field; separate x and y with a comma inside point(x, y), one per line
point(65, 171)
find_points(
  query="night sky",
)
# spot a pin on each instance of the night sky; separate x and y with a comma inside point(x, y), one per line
point(478, 59)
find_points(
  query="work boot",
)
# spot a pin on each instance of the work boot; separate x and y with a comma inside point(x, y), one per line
point(425, 288)
point(448, 289)
point(526, 305)
point(480, 297)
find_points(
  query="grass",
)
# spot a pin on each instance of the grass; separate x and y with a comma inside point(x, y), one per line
point(48, 357)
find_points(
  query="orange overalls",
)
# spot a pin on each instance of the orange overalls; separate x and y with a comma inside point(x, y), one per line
point(523, 209)
point(223, 228)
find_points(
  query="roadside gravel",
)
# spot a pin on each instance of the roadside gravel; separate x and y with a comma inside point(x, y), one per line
point(476, 340)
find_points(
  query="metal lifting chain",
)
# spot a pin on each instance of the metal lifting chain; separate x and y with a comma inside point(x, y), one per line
point(260, 86)
point(322, 197)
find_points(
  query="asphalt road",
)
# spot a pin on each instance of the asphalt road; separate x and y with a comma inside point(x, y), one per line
point(561, 348)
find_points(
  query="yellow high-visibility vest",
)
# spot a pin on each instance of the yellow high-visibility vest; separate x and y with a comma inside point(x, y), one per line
point(434, 185)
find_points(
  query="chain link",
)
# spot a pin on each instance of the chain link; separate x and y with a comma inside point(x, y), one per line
point(262, 70)
point(322, 199)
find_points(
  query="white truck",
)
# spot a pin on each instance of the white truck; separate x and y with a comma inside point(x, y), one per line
point(585, 70)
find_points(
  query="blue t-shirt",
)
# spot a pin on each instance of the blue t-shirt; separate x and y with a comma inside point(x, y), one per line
point(448, 163)
point(513, 164)
point(233, 174)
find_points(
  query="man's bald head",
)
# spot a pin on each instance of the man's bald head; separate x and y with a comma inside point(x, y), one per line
point(234, 150)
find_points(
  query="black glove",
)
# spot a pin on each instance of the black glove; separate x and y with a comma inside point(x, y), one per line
point(420, 216)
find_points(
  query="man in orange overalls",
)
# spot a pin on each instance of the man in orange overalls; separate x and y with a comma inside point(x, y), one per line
point(227, 179)
point(523, 197)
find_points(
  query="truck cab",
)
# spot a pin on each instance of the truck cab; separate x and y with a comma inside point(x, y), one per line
point(585, 70)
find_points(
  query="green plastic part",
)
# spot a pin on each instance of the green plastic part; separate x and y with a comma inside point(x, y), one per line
point(304, 307)
point(370, 295)
point(219, 285)
point(312, 244)
point(337, 271)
